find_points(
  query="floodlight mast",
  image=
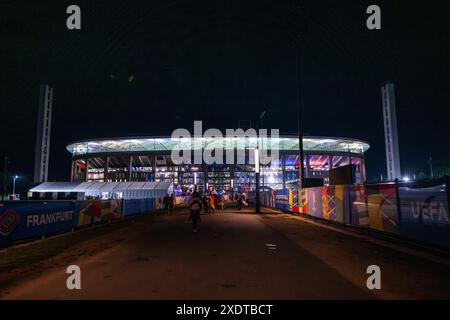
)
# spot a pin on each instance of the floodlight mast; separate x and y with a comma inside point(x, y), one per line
point(296, 45)
point(257, 166)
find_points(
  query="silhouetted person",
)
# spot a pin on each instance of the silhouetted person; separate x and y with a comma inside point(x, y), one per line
point(205, 203)
point(239, 201)
point(195, 204)
point(166, 203)
point(171, 204)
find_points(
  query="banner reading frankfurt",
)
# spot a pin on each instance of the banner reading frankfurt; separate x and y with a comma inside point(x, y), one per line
point(19, 221)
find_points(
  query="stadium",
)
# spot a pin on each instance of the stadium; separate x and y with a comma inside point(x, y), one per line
point(148, 159)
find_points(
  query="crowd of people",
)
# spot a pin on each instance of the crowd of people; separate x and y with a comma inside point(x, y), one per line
point(207, 202)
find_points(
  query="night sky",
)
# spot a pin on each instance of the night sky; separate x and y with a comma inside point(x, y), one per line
point(221, 61)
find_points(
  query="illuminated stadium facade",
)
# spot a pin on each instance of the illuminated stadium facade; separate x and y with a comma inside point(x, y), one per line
point(149, 159)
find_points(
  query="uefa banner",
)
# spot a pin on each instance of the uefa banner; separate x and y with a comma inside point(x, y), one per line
point(20, 220)
point(424, 209)
point(382, 207)
point(99, 211)
point(425, 213)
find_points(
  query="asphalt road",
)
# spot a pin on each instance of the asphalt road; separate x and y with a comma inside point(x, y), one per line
point(239, 256)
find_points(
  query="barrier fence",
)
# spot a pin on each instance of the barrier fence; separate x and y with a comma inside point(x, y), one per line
point(414, 210)
point(22, 220)
point(138, 206)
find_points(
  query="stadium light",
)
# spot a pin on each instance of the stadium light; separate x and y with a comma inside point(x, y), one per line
point(14, 185)
point(257, 205)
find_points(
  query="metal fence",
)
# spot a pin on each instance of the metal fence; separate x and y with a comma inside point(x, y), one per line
point(413, 210)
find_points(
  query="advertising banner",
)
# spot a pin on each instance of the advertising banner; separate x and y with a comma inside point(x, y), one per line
point(99, 211)
point(137, 206)
point(293, 200)
point(304, 202)
point(425, 214)
point(269, 198)
point(179, 200)
point(282, 199)
point(328, 203)
point(334, 203)
point(314, 202)
point(358, 206)
point(340, 203)
point(19, 221)
point(382, 207)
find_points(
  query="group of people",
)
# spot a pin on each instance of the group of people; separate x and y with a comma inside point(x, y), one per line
point(208, 202)
point(211, 201)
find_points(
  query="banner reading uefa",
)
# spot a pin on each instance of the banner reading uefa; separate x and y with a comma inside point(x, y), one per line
point(425, 213)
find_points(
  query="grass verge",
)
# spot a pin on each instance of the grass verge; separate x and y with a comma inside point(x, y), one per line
point(20, 255)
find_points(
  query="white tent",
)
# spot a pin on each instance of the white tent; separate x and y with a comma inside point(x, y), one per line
point(115, 190)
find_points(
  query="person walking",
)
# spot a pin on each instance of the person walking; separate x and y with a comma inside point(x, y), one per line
point(222, 201)
point(171, 204)
point(166, 203)
point(195, 204)
point(205, 203)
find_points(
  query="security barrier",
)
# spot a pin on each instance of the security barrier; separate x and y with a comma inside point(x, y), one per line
point(99, 211)
point(21, 220)
point(138, 206)
point(414, 210)
point(26, 220)
point(182, 200)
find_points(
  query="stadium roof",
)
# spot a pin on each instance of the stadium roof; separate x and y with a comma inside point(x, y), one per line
point(283, 143)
